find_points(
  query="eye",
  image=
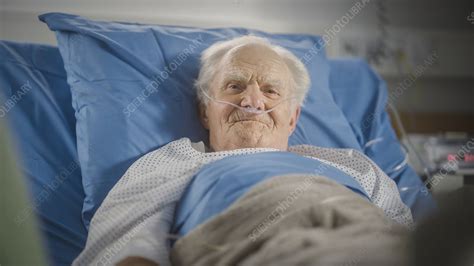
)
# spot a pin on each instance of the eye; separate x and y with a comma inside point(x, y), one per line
point(271, 91)
point(234, 86)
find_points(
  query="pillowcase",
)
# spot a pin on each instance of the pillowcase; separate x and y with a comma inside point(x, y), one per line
point(132, 91)
point(362, 96)
point(36, 101)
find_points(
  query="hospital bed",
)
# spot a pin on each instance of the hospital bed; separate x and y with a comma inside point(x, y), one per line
point(81, 113)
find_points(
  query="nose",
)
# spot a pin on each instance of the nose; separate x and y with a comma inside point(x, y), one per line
point(253, 97)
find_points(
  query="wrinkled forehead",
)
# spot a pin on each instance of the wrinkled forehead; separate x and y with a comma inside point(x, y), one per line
point(254, 61)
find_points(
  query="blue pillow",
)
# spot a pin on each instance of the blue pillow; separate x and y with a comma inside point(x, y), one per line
point(36, 101)
point(132, 90)
point(362, 96)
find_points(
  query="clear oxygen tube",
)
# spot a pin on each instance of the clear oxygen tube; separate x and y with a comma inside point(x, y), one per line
point(248, 109)
point(397, 167)
point(398, 121)
point(406, 158)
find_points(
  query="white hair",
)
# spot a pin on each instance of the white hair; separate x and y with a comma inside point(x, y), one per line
point(211, 57)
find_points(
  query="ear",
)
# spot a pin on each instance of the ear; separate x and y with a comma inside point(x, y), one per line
point(294, 119)
point(203, 116)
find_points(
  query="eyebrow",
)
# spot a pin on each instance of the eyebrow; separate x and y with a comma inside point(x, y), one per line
point(235, 74)
point(272, 81)
point(240, 76)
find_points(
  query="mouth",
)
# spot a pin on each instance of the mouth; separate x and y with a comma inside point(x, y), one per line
point(249, 120)
point(248, 123)
point(245, 118)
point(243, 121)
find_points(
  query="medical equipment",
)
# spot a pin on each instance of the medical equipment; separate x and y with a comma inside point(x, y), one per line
point(448, 153)
point(248, 109)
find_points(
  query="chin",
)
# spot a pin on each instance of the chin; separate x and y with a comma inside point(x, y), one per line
point(250, 139)
point(251, 125)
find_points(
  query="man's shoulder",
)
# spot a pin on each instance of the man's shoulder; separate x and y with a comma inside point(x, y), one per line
point(164, 153)
point(182, 143)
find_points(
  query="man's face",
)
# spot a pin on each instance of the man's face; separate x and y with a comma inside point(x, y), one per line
point(253, 76)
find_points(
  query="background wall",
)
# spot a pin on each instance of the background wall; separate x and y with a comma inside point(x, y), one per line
point(411, 31)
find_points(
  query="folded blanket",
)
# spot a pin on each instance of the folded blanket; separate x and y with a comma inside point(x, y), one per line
point(296, 220)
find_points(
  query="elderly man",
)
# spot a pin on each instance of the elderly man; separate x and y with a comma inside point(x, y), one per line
point(253, 75)
point(250, 95)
